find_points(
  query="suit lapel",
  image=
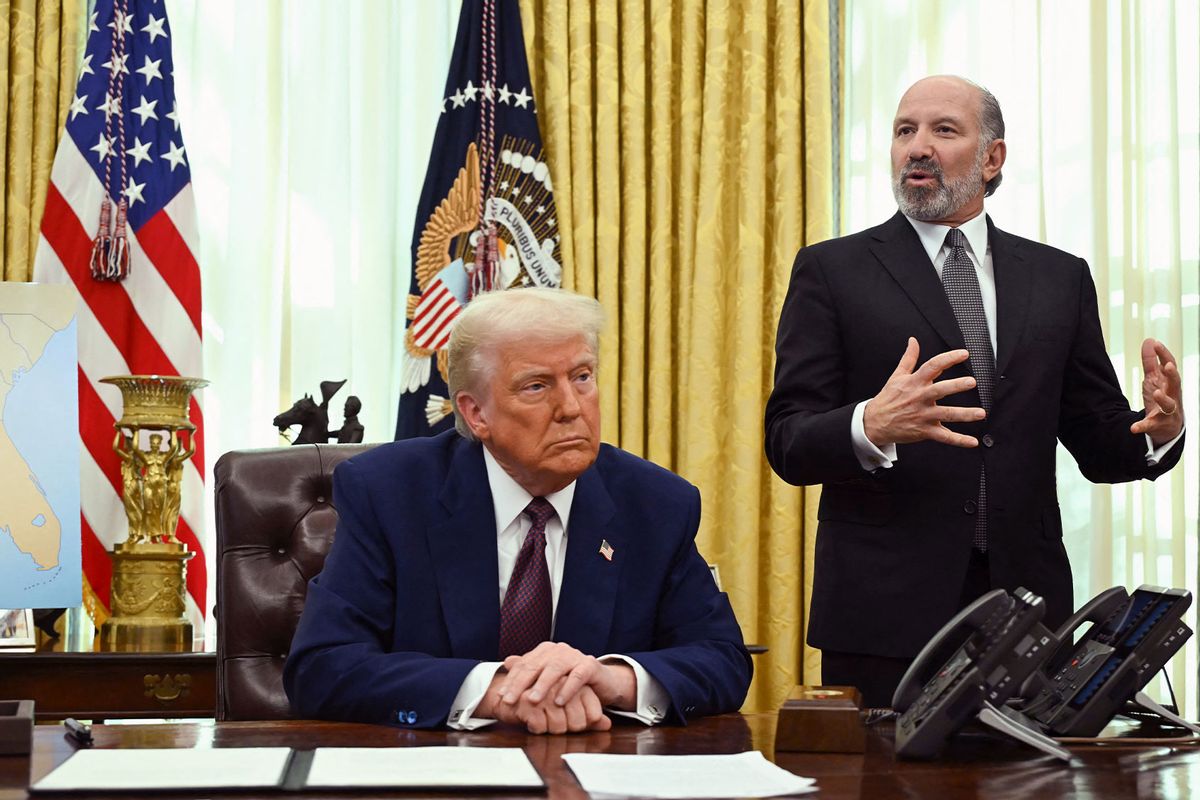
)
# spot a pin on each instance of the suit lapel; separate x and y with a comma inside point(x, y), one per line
point(589, 587)
point(1014, 281)
point(899, 249)
point(463, 550)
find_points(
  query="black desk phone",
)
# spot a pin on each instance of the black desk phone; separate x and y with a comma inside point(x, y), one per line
point(1083, 684)
point(969, 669)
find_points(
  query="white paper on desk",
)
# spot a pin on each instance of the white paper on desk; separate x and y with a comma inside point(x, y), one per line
point(741, 775)
point(168, 769)
point(425, 767)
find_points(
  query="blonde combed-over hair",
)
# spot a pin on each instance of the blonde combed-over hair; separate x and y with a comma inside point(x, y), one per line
point(493, 319)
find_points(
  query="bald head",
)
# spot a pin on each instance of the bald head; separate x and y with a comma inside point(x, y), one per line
point(947, 149)
point(972, 98)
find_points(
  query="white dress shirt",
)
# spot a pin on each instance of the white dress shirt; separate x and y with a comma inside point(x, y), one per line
point(509, 500)
point(933, 239)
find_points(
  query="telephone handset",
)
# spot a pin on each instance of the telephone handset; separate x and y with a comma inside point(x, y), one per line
point(1098, 609)
point(992, 646)
point(962, 628)
point(1085, 683)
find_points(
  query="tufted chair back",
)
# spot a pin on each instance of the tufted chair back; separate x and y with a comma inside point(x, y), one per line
point(275, 524)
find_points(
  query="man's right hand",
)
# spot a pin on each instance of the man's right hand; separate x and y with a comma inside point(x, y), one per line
point(906, 408)
point(582, 712)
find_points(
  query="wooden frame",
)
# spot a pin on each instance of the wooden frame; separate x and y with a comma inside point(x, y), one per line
point(16, 628)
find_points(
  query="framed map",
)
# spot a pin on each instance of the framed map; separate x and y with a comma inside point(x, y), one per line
point(39, 448)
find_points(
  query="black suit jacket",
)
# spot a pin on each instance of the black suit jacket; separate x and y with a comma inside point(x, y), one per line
point(893, 545)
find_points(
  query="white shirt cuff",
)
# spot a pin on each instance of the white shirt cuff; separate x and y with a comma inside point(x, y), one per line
point(869, 456)
point(652, 699)
point(1154, 455)
point(470, 695)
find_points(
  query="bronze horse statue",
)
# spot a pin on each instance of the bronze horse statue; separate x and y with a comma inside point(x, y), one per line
point(313, 419)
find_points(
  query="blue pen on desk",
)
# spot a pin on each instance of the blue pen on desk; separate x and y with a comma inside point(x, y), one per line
point(77, 732)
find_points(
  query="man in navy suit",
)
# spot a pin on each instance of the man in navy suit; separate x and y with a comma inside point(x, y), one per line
point(516, 569)
point(939, 477)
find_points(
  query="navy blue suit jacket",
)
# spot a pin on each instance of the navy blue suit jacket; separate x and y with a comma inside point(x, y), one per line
point(408, 602)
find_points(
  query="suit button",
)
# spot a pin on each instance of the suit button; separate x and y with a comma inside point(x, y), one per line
point(969, 507)
point(987, 440)
point(411, 719)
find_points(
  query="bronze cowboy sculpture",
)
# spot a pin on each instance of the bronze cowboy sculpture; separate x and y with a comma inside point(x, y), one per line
point(313, 419)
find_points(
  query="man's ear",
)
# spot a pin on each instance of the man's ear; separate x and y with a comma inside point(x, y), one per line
point(993, 159)
point(473, 414)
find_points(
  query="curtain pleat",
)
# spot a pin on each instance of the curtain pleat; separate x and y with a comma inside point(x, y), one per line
point(42, 40)
point(690, 145)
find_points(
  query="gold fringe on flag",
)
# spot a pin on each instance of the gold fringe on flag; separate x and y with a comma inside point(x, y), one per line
point(92, 605)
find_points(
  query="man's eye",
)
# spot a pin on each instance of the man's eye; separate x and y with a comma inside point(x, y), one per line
point(905, 131)
point(584, 377)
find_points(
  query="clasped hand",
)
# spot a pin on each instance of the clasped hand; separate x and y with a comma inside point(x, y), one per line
point(906, 409)
point(555, 688)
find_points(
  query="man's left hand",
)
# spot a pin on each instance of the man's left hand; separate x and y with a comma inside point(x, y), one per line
point(541, 669)
point(1162, 394)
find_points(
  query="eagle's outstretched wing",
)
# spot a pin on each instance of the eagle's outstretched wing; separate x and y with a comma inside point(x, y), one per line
point(458, 213)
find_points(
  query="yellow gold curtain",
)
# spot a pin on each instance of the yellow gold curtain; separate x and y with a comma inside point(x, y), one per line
point(690, 144)
point(41, 40)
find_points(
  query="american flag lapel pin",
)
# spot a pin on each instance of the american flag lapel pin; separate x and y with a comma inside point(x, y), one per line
point(606, 550)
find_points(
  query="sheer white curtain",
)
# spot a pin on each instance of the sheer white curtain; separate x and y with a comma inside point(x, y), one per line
point(308, 126)
point(1100, 101)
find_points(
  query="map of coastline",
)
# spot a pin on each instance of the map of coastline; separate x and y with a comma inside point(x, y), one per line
point(39, 455)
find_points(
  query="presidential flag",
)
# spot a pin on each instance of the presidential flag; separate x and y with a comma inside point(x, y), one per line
point(486, 218)
point(120, 226)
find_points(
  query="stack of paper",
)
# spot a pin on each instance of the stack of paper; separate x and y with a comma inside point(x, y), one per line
point(740, 775)
point(423, 767)
point(167, 770)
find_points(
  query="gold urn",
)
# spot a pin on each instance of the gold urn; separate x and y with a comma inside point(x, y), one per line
point(154, 438)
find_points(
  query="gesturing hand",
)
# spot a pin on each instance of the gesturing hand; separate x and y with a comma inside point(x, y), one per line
point(1162, 394)
point(906, 408)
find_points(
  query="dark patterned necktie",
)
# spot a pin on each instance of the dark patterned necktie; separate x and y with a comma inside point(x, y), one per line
point(526, 613)
point(962, 289)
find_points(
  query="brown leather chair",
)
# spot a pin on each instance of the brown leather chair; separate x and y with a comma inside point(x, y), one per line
point(275, 524)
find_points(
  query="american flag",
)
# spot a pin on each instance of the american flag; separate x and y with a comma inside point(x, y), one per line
point(122, 139)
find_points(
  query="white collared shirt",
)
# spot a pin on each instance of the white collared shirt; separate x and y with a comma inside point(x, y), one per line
point(933, 239)
point(509, 500)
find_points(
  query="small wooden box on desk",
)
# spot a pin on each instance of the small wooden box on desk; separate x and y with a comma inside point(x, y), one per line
point(821, 719)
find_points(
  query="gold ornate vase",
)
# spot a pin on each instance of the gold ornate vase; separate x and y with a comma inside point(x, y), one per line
point(154, 439)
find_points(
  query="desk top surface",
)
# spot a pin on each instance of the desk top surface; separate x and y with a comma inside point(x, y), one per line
point(974, 765)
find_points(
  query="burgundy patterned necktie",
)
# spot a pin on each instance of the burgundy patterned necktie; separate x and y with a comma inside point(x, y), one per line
point(962, 289)
point(525, 614)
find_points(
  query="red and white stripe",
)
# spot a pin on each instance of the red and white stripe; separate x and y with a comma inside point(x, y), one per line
point(147, 324)
point(434, 316)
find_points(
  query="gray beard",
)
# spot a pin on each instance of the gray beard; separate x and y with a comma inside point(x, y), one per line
point(932, 203)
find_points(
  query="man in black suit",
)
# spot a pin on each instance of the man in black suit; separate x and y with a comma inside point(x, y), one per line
point(939, 476)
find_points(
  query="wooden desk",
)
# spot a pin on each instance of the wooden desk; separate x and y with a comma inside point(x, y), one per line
point(112, 685)
point(976, 766)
